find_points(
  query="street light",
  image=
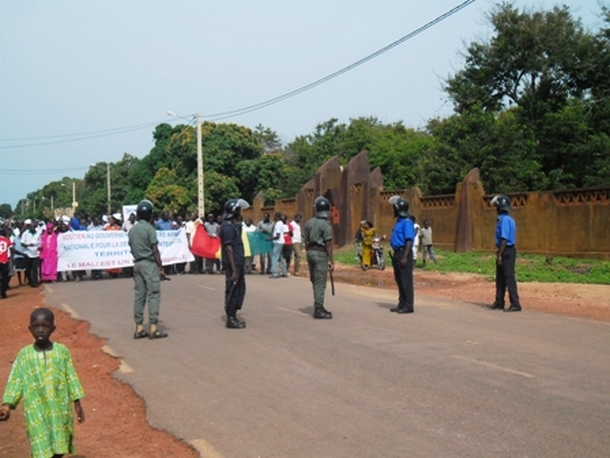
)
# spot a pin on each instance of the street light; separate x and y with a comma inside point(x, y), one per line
point(200, 179)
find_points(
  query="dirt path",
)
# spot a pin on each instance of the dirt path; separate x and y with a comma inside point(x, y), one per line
point(116, 417)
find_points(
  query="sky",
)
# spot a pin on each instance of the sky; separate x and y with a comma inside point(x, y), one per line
point(83, 82)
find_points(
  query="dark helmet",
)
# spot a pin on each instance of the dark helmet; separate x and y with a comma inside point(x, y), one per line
point(401, 206)
point(502, 203)
point(233, 208)
point(144, 210)
point(322, 207)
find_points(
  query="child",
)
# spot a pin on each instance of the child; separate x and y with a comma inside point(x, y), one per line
point(43, 374)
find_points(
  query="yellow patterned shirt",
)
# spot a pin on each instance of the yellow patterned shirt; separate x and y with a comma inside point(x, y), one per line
point(48, 384)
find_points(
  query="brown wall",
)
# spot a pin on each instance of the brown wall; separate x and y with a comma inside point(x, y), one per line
point(574, 222)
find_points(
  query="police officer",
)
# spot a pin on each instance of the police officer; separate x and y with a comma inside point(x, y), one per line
point(318, 239)
point(147, 272)
point(401, 242)
point(233, 260)
point(506, 232)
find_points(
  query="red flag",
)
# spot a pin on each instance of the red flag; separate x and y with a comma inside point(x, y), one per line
point(204, 245)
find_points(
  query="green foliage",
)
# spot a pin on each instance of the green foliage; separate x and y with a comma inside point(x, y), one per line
point(5, 210)
point(549, 76)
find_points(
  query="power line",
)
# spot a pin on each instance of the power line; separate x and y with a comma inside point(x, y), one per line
point(250, 108)
point(40, 171)
point(266, 103)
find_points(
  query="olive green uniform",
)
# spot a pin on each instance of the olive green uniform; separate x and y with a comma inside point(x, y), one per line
point(316, 234)
point(142, 238)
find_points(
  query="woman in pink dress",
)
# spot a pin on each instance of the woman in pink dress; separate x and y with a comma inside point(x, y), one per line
point(48, 254)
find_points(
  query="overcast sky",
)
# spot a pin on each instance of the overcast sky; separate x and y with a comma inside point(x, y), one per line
point(74, 67)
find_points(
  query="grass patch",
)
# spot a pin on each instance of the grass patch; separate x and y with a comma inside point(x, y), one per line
point(530, 267)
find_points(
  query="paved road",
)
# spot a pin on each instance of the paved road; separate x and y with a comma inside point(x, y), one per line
point(451, 380)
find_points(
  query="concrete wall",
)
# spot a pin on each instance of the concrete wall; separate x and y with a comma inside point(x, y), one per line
point(574, 222)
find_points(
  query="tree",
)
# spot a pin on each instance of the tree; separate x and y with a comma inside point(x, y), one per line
point(6, 211)
point(537, 78)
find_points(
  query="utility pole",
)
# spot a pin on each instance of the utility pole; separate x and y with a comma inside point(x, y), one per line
point(109, 192)
point(200, 180)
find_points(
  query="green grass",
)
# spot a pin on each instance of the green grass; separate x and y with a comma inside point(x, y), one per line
point(530, 267)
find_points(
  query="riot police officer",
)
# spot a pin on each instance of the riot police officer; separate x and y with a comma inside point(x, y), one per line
point(147, 272)
point(401, 242)
point(318, 239)
point(506, 233)
point(233, 259)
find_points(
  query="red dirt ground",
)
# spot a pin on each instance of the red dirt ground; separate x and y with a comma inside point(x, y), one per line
point(116, 417)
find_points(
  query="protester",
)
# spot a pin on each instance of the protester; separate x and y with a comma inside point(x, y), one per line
point(212, 228)
point(18, 256)
point(196, 266)
point(287, 250)
point(416, 229)
point(277, 260)
point(248, 227)
point(265, 227)
point(5, 259)
point(30, 240)
point(48, 254)
point(296, 242)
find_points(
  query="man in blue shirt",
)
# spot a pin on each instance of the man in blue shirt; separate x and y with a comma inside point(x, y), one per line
point(401, 242)
point(506, 232)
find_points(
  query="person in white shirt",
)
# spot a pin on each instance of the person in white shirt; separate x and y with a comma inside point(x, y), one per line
point(277, 260)
point(30, 241)
point(196, 266)
point(296, 242)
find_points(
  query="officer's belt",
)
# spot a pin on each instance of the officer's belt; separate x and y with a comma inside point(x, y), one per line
point(145, 259)
point(316, 248)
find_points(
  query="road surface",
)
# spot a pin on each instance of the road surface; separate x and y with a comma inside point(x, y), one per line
point(451, 380)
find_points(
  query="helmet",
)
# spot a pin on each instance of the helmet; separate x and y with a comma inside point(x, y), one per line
point(233, 208)
point(144, 210)
point(401, 206)
point(502, 203)
point(322, 207)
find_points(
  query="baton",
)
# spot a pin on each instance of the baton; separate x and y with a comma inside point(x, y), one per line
point(332, 283)
point(228, 299)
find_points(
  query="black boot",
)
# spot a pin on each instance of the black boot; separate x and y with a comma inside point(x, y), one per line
point(322, 314)
point(234, 323)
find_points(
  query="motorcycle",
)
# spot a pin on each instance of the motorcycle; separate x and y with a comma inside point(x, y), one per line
point(377, 253)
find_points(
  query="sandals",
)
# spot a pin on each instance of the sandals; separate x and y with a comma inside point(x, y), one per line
point(140, 334)
point(157, 335)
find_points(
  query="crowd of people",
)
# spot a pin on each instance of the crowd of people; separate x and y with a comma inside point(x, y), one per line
point(29, 249)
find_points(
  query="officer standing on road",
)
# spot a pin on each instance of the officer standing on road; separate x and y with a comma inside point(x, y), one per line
point(506, 233)
point(233, 259)
point(318, 239)
point(147, 272)
point(401, 242)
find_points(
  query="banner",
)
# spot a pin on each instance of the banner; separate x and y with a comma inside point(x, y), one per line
point(98, 250)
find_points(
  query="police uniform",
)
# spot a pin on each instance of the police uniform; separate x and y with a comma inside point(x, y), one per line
point(146, 275)
point(505, 271)
point(317, 233)
point(230, 234)
point(402, 233)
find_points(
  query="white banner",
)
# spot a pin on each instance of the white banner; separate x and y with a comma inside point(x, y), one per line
point(98, 250)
